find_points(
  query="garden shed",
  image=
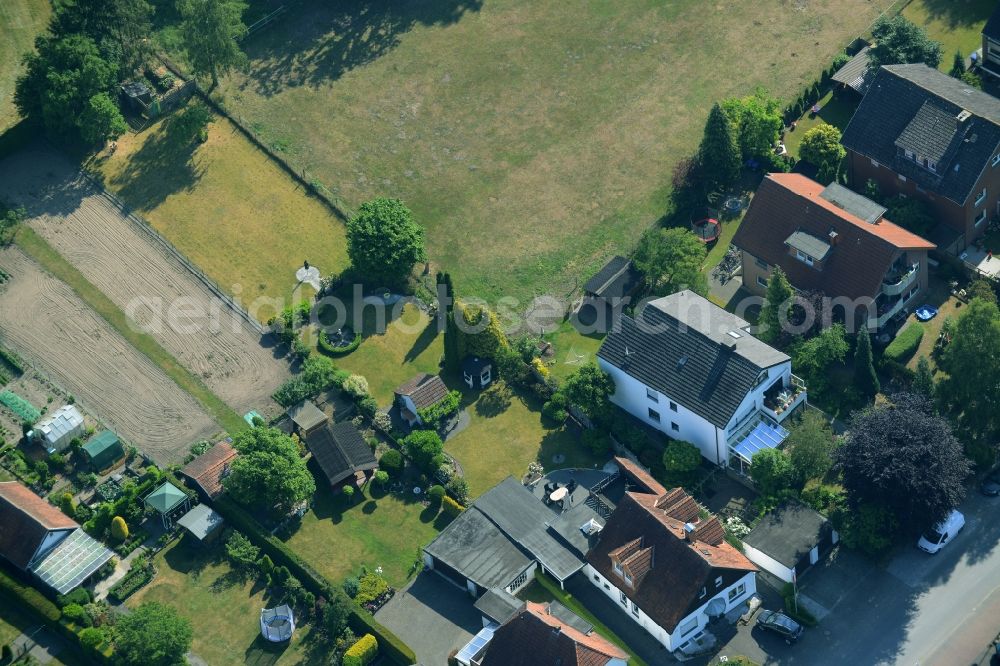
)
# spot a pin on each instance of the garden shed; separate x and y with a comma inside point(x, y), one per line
point(103, 450)
point(477, 372)
point(341, 451)
point(789, 540)
point(168, 500)
point(202, 523)
point(306, 417)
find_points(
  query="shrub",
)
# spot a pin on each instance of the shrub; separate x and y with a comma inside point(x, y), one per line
point(556, 409)
point(323, 342)
point(361, 653)
point(91, 638)
point(435, 494)
point(424, 448)
point(434, 415)
point(241, 552)
point(348, 491)
point(596, 441)
point(371, 587)
point(79, 596)
point(381, 477)
point(368, 406)
point(119, 530)
point(451, 507)
point(19, 594)
point(681, 460)
point(356, 386)
point(458, 488)
point(133, 580)
point(905, 343)
point(351, 586)
point(77, 615)
point(391, 462)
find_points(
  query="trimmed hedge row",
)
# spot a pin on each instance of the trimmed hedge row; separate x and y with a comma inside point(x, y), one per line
point(324, 345)
point(360, 620)
point(451, 507)
point(12, 360)
point(905, 344)
point(362, 653)
point(28, 596)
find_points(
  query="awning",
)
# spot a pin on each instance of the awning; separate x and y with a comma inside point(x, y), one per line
point(765, 435)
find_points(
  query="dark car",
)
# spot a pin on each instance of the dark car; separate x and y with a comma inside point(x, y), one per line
point(991, 484)
point(780, 624)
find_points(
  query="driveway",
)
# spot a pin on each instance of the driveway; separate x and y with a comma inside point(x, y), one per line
point(433, 617)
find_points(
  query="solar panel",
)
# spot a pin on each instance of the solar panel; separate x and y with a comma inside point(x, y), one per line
point(72, 561)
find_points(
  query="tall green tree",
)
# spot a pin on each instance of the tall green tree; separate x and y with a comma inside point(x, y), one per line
point(777, 303)
point(681, 460)
point(719, 153)
point(383, 241)
point(814, 357)
point(120, 28)
point(821, 146)
point(425, 449)
point(758, 122)
point(899, 41)
point(671, 260)
point(60, 83)
point(153, 634)
point(211, 30)
point(958, 65)
point(480, 332)
point(268, 471)
point(771, 471)
point(810, 446)
point(590, 389)
point(101, 120)
point(864, 369)
point(923, 379)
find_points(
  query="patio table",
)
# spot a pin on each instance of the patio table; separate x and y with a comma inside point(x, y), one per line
point(558, 494)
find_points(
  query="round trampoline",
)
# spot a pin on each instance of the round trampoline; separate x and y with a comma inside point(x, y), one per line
point(277, 624)
point(705, 225)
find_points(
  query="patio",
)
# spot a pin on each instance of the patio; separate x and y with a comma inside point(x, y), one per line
point(981, 261)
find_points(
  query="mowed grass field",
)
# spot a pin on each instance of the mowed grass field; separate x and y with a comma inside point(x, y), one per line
point(957, 25)
point(227, 207)
point(532, 139)
point(20, 22)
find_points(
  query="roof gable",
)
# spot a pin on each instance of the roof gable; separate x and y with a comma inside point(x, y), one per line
point(209, 469)
point(25, 520)
point(424, 390)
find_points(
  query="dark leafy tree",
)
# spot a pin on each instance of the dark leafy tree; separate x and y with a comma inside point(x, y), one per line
point(335, 615)
point(590, 389)
point(269, 471)
point(903, 458)
point(681, 460)
point(758, 122)
point(383, 241)
point(241, 552)
point(810, 446)
point(774, 314)
point(771, 471)
point(821, 146)
point(814, 357)
point(957, 65)
point(425, 449)
point(719, 153)
point(101, 120)
point(982, 288)
point(211, 30)
point(120, 28)
point(153, 634)
point(899, 41)
point(923, 379)
point(671, 260)
point(189, 124)
point(864, 369)
point(911, 213)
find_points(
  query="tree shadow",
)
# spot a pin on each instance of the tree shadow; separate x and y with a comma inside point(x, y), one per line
point(429, 513)
point(494, 401)
point(369, 507)
point(422, 342)
point(264, 653)
point(164, 165)
point(959, 14)
point(318, 42)
point(228, 580)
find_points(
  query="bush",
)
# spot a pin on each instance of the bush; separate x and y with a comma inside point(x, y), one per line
point(361, 653)
point(905, 344)
point(241, 552)
point(556, 409)
point(435, 495)
point(348, 491)
point(368, 406)
point(351, 586)
point(133, 580)
point(29, 597)
point(371, 587)
point(77, 615)
point(596, 441)
point(681, 460)
point(356, 386)
point(91, 638)
point(380, 478)
point(119, 530)
point(391, 462)
point(79, 596)
point(451, 507)
point(458, 488)
point(436, 414)
point(323, 343)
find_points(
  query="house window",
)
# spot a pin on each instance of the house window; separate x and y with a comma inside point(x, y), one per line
point(737, 592)
point(932, 165)
point(597, 578)
point(635, 609)
point(902, 178)
point(718, 581)
point(875, 164)
point(761, 282)
point(628, 579)
point(652, 395)
point(618, 568)
point(674, 426)
point(996, 160)
point(981, 198)
point(673, 406)
point(804, 258)
point(624, 599)
point(688, 626)
point(981, 217)
point(909, 154)
point(654, 415)
point(763, 264)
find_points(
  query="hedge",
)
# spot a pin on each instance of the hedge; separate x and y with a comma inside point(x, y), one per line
point(12, 360)
point(451, 507)
point(363, 652)
point(360, 620)
point(796, 611)
point(905, 343)
point(29, 597)
point(324, 345)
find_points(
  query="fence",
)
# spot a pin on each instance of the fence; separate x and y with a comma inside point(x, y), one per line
point(155, 236)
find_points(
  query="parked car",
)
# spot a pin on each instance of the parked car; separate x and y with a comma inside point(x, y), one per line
point(991, 484)
point(780, 624)
point(935, 538)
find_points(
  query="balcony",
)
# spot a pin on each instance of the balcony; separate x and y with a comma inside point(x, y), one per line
point(886, 312)
point(898, 281)
point(783, 400)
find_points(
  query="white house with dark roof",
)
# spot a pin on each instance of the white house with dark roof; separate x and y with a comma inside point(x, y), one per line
point(692, 370)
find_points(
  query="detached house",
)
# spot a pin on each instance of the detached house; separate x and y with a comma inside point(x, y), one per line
point(921, 133)
point(692, 370)
point(670, 571)
point(834, 241)
point(990, 62)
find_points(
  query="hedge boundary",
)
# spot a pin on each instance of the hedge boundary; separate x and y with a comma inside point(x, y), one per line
point(360, 620)
point(336, 352)
point(905, 344)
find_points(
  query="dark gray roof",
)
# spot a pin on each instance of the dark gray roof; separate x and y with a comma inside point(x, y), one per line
point(477, 549)
point(498, 605)
point(201, 521)
point(788, 533)
point(856, 73)
point(475, 364)
point(693, 351)
point(340, 450)
point(569, 618)
point(614, 280)
point(906, 103)
point(306, 415)
point(992, 27)
point(816, 248)
point(852, 202)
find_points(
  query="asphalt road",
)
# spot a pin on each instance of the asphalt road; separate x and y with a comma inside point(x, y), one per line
point(919, 610)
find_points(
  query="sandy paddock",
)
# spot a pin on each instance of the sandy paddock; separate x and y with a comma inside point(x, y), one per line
point(42, 320)
point(150, 285)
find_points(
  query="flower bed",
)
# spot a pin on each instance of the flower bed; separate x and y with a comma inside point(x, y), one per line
point(379, 601)
point(132, 582)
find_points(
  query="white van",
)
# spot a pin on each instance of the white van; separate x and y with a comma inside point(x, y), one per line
point(935, 538)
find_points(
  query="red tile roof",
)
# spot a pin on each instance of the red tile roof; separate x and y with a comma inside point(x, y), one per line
point(208, 469)
point(863, 252)
point(25, 520)
point(424, 390)
point(638, 475)
point(534, 637)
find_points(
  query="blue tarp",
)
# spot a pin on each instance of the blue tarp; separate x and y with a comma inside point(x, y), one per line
point(765, 435)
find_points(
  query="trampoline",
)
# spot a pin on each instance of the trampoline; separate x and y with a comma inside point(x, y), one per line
point(277, 624)
point(705, 225)
point(926, 312)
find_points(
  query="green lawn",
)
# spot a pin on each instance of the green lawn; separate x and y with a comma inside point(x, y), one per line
point(957, 25)
point(375, 530)
point(572, 349)
point(20, 22)
point(228, 208)
point(530, 152)
point(836, 111)
point(223, 609)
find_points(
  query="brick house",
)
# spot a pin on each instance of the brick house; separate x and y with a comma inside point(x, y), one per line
point(834, 241)
point(921, 133)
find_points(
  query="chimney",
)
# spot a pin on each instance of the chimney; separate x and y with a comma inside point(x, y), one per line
point(834, 237)
point(963, 116)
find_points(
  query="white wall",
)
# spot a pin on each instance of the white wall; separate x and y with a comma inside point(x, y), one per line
point(767, 563)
